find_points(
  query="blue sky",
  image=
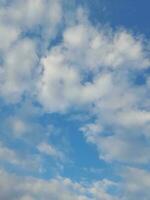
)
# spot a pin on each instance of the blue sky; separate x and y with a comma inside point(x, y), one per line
point(74, 100)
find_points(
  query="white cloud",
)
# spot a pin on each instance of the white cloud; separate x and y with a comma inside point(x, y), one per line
point(30, 13)
point(136, 184)
point(19, 53)
point(95, 51)
point(132, 118)
point(100, 47)
point(8, 155)
point(18, 69)
point(84, 47)
point(14, 187)
point(76, 36)
point(90, 68)
point(14, 157)
point(50, 150)
point(8, 35)
point(58, 84)
point(124, 148)
point(17, 125)
point(110, 58)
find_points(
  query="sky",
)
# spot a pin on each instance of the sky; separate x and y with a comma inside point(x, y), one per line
point(74, 100)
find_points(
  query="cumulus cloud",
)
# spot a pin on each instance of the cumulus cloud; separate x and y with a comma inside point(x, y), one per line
point(136, 184)
point(95, 67)
point(28, 14)
point(50, 150)
point(119, 52)
point(101, 47)
point(18, 70)
point(58, 84)
point(88, 67)
point(17, 125)
point(14, 187)
point(19, 20)
point(26, 162)
point(8, 35)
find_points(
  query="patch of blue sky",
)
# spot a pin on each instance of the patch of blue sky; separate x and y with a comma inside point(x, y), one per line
point(133, 15)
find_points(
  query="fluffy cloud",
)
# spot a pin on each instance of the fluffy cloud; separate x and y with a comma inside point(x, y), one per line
point(14, 187)
point(18, 70)
point(136, 184)
point(78, 56)
point(8, 154)
point(84, 49)
point(101, 47)
point(7, 39)
point(87, 67)
point(28, 14)
point(58, 84)
point(27, 162)
point(95, 67)
point(92, 66)
point(50, 150)
point(17, 125)
point(18, 51)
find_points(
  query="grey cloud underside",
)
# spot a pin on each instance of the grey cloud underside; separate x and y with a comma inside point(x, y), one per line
point(93, 69)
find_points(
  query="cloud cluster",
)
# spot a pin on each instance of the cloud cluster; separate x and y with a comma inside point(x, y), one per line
point(24, 25)
point(63, 66)
point(97, 68)
point(28, 188)
point(136, 184)
point(27, 162)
